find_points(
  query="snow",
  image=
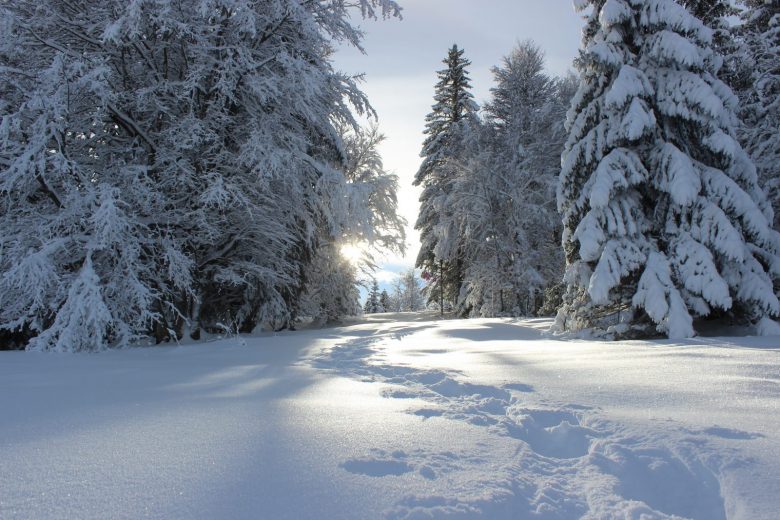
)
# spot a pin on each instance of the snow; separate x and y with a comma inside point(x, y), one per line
point(398, 416)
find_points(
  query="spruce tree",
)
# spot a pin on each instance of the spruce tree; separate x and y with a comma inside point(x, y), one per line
point(663, 217)
point(372, 301)
point(504, 201)
point(446, 127)
point(760, 95)
point(384, 302)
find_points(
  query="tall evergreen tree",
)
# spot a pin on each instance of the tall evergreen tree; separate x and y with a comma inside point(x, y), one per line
point(760, 95)
point(452, 117)
point(664, 220)
point(505, 198)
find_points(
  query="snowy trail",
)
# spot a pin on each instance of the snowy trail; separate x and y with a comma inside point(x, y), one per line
point(397, 417)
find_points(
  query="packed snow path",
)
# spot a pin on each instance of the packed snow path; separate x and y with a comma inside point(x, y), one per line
point(396, 417)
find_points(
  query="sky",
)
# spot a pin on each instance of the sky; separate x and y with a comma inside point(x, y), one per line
point(402, 57)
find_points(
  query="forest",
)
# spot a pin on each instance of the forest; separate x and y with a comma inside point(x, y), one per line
point(214, 303)
point(168, 172)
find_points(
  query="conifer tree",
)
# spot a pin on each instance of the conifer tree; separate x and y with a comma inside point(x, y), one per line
point(452, 115)
point(384, 302)
point(373, 304)
point(760, 95)
point(504, 200)
point(664, 220)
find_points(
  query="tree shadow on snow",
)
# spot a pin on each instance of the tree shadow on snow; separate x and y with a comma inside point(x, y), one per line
point(513, 331)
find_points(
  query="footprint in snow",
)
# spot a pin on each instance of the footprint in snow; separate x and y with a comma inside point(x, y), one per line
point(429, 465)
point(551, 433)
point(382, 465)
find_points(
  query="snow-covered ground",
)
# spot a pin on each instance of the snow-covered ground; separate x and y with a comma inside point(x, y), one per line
point(396, 417)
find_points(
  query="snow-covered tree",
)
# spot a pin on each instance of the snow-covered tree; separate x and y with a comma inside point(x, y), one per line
point(760, 95)
point(505, 197)
point(407, 293)
point(367, 215)
point(664, 220)
point(373, 305)
point(372, 215)
point(181, 163)
point(384, 302)
point(449, 124)
point(718, 15)
point(332, 289)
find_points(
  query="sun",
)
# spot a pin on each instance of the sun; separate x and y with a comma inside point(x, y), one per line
point(352, 253)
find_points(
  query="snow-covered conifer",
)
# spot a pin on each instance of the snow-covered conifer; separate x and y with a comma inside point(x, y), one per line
point(505, 196)
point(450, 122)
point(664, 220)
point(760, 95)
point(384, 302)
point(373, 304)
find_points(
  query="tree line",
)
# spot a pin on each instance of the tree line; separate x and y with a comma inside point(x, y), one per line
point(661, 158)
point(169, 168)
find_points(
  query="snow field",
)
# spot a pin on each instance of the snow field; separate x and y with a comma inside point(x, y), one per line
point(396, 417)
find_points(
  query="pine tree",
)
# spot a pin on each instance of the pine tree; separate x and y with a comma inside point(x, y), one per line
point(373, 304)
point(504, 199)
point(663, 218)
point(447, 126)
point(384, 302)
point(760, 95)
point(715, 14)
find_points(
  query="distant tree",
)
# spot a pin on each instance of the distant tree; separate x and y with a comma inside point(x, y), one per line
point(373, 305)
point(663, 218)
point(447, 126)
point(384, 302)
point(407, 295)
point(412, 296)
